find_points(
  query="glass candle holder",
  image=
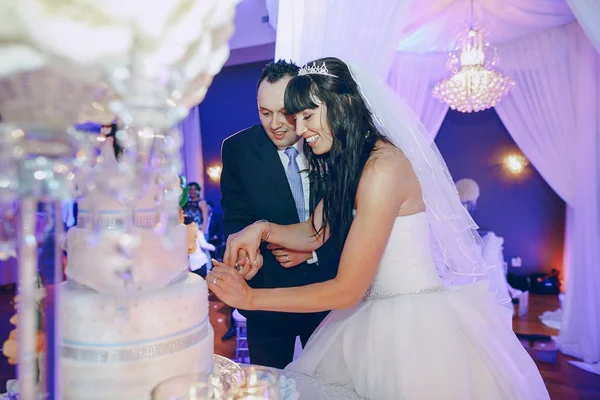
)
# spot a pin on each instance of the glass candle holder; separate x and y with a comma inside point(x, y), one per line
point(193, 387)
point(260, 383)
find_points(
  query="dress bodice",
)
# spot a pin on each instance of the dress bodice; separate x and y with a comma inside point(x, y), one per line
point(407, 264)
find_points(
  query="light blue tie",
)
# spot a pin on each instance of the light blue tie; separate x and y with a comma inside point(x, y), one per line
point(295, 180)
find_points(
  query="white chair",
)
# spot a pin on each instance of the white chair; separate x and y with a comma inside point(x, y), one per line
point(242, 354)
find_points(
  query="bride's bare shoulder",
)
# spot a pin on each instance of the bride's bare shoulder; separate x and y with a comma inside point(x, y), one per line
point(386, 156)
point(382, 178)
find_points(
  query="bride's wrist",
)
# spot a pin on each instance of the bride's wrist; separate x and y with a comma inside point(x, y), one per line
point(265, 231)
point(251, 299)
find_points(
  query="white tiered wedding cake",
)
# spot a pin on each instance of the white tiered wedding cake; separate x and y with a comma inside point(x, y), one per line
point(118, 343)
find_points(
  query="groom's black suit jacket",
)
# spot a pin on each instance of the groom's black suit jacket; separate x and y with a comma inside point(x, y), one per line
point(254, 186)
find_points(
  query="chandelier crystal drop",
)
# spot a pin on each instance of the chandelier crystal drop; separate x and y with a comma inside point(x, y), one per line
point(474, 85)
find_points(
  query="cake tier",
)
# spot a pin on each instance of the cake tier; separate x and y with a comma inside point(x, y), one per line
point(84, 380)
point(121, 347)
point(99, 265)
point(98, 319)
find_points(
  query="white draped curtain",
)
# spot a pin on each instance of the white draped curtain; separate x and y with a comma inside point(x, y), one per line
point(552, 114)
point(348, 29)
point(587, 13)
point(539, 111)
point(192, 148)
point(431, 25)
point(413, 76)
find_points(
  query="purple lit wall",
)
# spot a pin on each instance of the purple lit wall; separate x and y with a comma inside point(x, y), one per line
point(229, 107)
point(524, 210)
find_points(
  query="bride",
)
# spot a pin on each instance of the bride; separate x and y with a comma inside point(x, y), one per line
point(415, 315)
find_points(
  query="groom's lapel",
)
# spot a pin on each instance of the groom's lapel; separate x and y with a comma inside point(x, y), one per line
point(268, 155)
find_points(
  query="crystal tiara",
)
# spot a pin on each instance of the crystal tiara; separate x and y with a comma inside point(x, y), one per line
point(315, 70)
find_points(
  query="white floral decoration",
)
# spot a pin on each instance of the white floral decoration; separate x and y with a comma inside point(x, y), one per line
point(88, 37)
point(468, 190)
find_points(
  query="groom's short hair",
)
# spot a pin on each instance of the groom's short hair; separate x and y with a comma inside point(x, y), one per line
point(274, 71)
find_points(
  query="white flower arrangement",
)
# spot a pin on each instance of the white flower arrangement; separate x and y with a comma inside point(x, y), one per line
point(88, 37)
point(468, 190)
point(288, 388)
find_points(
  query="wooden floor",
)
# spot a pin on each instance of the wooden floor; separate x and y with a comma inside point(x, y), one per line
point(564, 381)
point(530, 323)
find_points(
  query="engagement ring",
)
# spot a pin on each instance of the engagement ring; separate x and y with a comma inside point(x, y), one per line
point(238, 267)
point(215, 280)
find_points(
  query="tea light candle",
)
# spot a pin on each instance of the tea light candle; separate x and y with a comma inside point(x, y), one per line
point(193, 394)
point(200, 391)
point(252, 377)
point(259, 384)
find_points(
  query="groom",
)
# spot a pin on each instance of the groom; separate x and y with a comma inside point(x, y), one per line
point(265, 176)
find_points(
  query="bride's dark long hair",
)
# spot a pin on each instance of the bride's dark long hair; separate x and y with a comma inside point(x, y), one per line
point(334, 176)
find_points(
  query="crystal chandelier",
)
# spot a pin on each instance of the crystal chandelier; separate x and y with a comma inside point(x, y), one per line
point(474, 85)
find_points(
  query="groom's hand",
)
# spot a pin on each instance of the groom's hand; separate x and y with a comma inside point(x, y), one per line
point(289, 258)
point(243, 264)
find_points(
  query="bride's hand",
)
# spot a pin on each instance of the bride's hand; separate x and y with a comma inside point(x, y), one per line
point(248, 240)
point(229, 286)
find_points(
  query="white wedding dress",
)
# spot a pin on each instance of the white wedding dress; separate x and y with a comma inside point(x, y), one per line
point(412, 339)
